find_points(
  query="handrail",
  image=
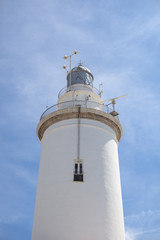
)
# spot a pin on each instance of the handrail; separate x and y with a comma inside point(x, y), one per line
point(64, 90)
point(82, 103)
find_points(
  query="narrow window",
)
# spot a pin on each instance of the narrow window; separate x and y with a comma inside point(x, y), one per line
point(78, 172)
point(80, 168)
point(76, 168)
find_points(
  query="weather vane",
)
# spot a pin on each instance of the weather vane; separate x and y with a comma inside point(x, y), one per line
point(65, 67)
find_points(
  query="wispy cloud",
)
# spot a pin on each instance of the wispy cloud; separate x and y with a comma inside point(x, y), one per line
point(141, 224)
point(143, 217)
point(119, 42)
point(130, 234)
point(136, 234)
point(11, 219)
point(25, 175)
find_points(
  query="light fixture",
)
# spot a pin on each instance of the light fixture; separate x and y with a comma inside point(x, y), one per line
point(64, 66)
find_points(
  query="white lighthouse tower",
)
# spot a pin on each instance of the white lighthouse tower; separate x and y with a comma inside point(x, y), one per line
point(79, 191)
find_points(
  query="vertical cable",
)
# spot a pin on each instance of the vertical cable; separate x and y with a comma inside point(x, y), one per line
point(78, 135)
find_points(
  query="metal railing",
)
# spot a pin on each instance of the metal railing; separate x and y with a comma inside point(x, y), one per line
point(77, 103)
point(65, 89)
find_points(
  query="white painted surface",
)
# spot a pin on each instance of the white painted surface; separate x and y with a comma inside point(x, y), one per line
point(67, 210)
point(80, 95)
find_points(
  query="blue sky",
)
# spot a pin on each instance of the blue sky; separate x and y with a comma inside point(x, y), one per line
point(119, 41)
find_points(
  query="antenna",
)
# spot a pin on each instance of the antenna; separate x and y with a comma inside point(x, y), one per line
point(80, 63)
point(113, 102)
point(114, 98)
point(65, 67)
point(100, 89)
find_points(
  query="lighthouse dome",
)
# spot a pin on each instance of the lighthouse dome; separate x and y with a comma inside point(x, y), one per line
point(80, 75)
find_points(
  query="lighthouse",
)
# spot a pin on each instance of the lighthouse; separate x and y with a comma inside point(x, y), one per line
point(79, 190)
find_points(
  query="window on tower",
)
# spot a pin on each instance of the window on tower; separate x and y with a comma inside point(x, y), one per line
point(78, 172)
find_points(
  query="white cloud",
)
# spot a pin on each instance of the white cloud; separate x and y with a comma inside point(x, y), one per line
point(25, 175)
point(130, 234)
point(35, 37)
point(144, 216)
point(146, 220)
point(135, 234)
point(11, 219)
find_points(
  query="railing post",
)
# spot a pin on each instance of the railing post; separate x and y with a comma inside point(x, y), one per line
point(74, 103)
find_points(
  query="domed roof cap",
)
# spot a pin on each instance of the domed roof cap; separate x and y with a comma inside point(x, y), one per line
point(80, 75)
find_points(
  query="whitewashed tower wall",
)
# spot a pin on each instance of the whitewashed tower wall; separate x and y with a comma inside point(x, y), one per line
point(79, 191)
